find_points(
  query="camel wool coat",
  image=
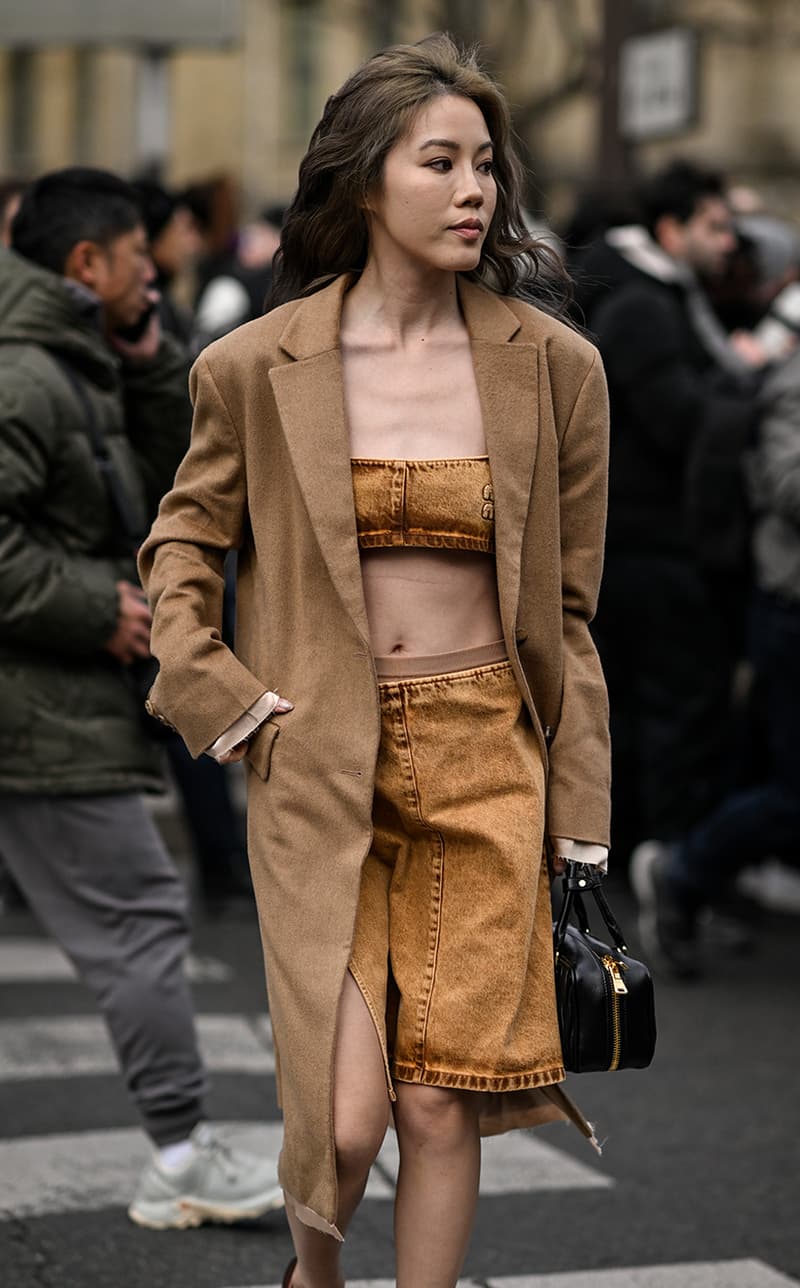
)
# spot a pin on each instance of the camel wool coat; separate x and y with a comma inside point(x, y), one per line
point(268, 472)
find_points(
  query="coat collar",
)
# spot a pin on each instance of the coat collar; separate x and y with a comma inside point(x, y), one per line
point(309, 394)
point(314, 325)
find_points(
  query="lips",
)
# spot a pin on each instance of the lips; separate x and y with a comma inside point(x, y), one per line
point(467, 225)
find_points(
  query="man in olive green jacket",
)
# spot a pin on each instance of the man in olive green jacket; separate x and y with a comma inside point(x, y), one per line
point(94, 419)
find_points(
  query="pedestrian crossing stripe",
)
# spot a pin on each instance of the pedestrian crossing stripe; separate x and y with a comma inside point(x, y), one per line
point(689, 1274)
point(84, 1171)
point(27, 959)
point(79, 1045)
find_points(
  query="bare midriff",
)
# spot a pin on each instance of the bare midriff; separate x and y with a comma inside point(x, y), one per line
point(429, 601)
point(421, 404)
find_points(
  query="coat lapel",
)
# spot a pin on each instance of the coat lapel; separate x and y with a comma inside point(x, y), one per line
point(507, 378)
point(317, 437)
point(309, 393)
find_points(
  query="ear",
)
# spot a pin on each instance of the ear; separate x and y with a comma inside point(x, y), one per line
point(84, 262)
point(669, 234)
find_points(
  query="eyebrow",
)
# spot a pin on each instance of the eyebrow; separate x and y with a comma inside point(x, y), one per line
point(451, 146)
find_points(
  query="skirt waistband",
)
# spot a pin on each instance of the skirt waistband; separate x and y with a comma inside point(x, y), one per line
point(396, 667)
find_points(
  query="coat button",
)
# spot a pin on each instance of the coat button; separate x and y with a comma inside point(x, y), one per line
point(520, 635)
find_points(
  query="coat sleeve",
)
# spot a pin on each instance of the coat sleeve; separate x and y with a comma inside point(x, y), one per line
point(580, 775)
point(777, 458)
point(47, 592)
point(202, 687)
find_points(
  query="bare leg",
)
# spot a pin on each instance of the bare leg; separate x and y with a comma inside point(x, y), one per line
point(437, 1190)
point(361, 1116)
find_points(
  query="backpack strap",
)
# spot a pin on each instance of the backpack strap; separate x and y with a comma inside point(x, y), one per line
point(104, 461)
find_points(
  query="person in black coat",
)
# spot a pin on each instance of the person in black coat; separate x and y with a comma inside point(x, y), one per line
point(683, 409)
point(760, 818)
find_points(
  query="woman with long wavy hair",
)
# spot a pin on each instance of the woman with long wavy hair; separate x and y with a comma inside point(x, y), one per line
point(409, 454)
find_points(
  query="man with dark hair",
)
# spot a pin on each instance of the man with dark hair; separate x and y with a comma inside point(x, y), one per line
point(683, 410)
point(94, 418)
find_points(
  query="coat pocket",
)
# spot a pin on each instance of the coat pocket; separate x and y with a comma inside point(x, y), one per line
point(259, 748)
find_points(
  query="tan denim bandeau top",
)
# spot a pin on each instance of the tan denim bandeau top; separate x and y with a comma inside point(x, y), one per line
point(446, 504)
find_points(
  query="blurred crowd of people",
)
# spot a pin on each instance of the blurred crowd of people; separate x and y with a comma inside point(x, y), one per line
point(691, 293)
point(690, 290)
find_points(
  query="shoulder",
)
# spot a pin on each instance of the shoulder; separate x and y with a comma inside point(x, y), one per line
point(639, 301)
point(256, 341)
point(568, 354)
point(31, 378)
point(35, 411)
point(562, 341)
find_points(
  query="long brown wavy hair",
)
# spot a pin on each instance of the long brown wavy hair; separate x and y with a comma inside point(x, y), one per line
point(325, 228)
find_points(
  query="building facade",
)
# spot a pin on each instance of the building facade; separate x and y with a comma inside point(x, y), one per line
point(195, 88)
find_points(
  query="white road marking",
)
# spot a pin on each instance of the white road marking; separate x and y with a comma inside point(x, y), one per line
point(689, 1274)
point(89, 1170)
point(519, 1162)
point(376, 1283)
point(84, 1171)
point(79, 1044)
point(29, 960)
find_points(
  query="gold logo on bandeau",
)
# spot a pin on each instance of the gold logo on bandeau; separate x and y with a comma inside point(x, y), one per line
point(487, 509)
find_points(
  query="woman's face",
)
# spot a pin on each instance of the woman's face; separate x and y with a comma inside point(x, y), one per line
point(438, 193)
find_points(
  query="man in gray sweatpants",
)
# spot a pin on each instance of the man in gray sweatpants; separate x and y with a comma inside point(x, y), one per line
point(94, 418)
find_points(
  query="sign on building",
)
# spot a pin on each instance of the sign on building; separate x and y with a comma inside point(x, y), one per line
point(658, 83)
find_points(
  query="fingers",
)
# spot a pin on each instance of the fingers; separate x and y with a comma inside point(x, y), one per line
point(233, 756)
point(275, 704)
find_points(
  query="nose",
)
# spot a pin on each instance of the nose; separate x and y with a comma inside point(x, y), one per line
point(469, 189)
point(149, 271)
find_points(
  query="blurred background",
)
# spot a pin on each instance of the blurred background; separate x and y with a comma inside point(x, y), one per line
point(226, 92)
point(209, 105)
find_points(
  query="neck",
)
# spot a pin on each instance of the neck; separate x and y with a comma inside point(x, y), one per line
point(399, 304)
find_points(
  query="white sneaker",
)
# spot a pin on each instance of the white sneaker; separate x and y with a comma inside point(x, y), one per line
point(218, 1183)
point(773, 885)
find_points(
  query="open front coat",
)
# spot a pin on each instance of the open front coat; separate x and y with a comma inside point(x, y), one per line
point(268, 472)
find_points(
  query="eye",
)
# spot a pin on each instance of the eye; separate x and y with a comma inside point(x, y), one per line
point(486, 167)
point(441, 165)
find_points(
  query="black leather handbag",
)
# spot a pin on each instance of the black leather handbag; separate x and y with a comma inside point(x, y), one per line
point(606, 1008)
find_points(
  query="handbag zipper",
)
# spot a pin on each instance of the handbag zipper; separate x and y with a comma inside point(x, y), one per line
point(619, 987)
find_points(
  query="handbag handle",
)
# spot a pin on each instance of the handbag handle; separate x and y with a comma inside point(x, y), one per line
point(578, 880)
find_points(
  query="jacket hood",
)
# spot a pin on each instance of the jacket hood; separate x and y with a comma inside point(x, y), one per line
point(40, 307)
point(639, 249)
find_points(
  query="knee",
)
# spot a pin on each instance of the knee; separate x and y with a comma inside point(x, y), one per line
point(437, 1116)
point(358, 1139)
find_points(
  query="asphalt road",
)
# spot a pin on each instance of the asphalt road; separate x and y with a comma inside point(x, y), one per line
point(698, 1184)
